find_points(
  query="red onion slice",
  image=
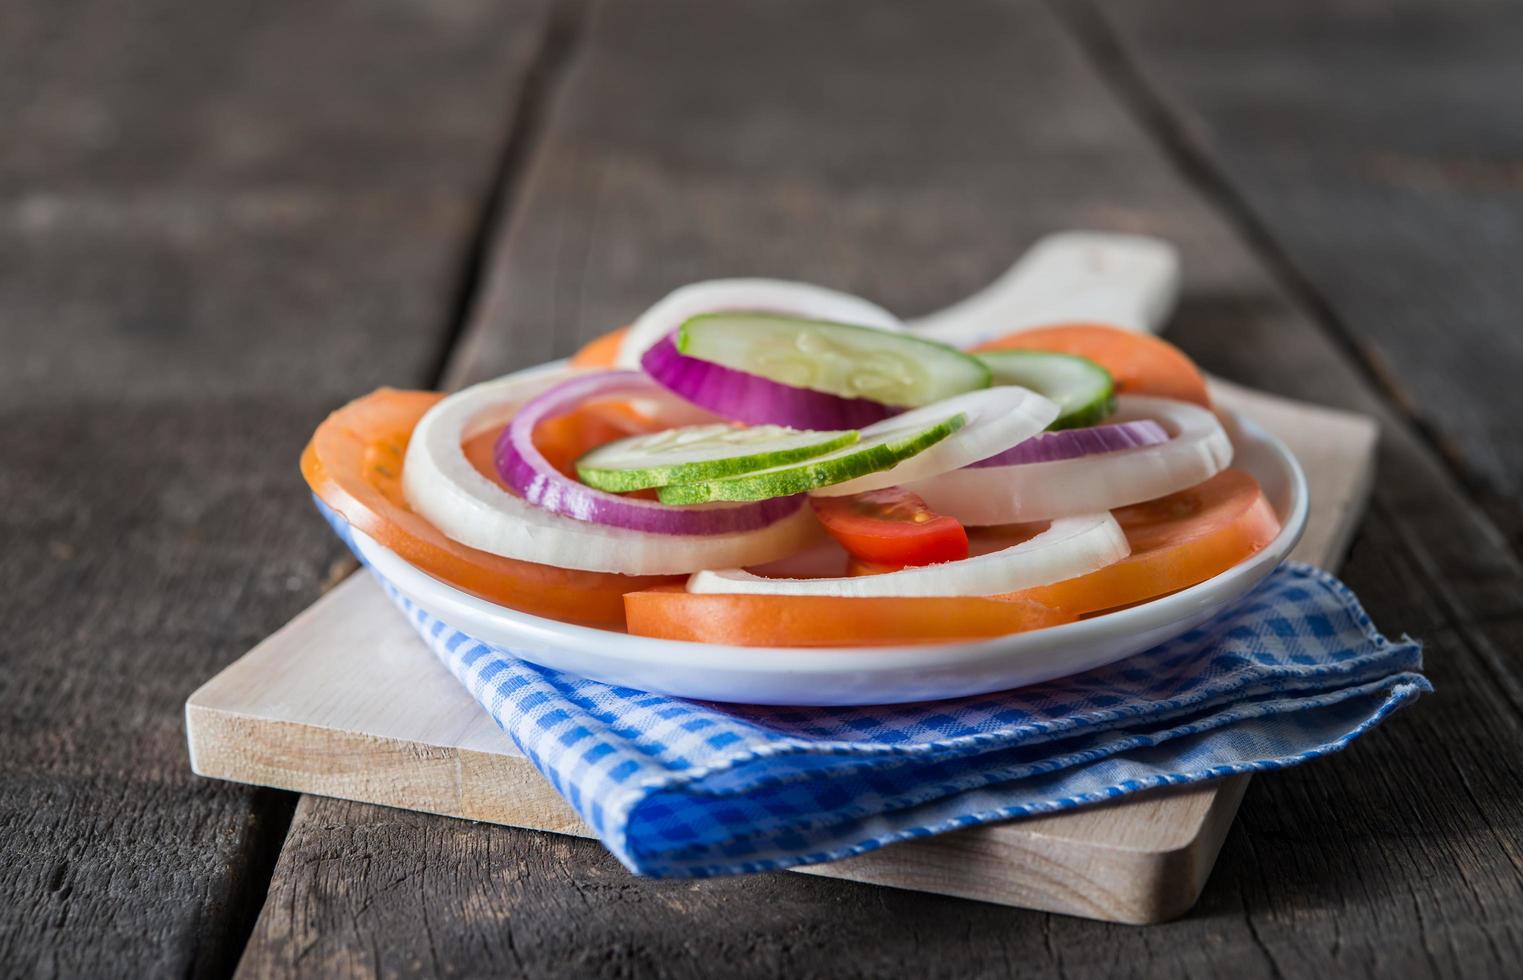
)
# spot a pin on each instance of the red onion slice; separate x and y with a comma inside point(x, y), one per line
point(1073, 443)
point(524, 468)
point(744, 397)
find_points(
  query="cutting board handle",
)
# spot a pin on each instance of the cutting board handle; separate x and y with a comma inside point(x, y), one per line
point(1131, 281)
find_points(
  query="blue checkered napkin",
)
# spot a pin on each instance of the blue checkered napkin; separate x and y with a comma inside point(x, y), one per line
point(678, 787)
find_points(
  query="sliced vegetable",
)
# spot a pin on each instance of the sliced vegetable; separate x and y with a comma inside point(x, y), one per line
point(1071, 546)
point(981, 541)
point(601, 351)
point(441, 485)
point(837, 358)
point(1197, 450)
point(696, 453)
point(997, 418)
point(891, 527)
point(1083, 390)
point(524, 468)
point(878, 447)
point(753, 399)
point(1177, 541)
point(1140, 363)
point(757, 295)
point(354, 465)
point(671, 613)
point(1073, 443)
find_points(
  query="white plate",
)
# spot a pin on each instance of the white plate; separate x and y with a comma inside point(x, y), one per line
point(871, 675)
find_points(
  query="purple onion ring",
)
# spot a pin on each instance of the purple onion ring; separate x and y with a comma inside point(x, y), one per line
point(1073, 443)
point(744, 397)
point(524, 468)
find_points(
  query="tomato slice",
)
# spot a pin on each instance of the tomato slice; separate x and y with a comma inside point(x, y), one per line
point(601, 351)
point(891, 527)
point(1177, 541)
point(671, 613)
point(354, 465)
point(981, 541)
point(1140, 363)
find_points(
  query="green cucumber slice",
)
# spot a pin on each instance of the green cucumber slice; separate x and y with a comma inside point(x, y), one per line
point(1084, 390)
point(889, 446)
point(836, 358)
point(698, 453)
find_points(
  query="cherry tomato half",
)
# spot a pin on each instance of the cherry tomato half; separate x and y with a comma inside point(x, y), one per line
point(891, 527)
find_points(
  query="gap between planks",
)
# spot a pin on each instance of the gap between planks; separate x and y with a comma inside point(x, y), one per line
point(1182, 146)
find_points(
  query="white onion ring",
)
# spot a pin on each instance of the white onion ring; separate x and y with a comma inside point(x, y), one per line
point(1198, 450)
point(997, 418)
point(1070, 547)
point(441, 485)
point(800, 299)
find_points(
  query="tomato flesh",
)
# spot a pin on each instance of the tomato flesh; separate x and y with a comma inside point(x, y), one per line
point(600, 352)
point(670, 612)
point(891, 527)
point(1177, 541)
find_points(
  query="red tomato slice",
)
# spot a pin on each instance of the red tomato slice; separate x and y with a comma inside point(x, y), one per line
point(1140, 363)
point(1177, 541)
point(981, 541)
point(891, 527)
point(354, 465)
point(600, 351)
point(671, 613)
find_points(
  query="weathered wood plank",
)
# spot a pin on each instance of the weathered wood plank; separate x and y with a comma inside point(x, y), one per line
point(907, 153)
point(1380, 145)
point(217, 221)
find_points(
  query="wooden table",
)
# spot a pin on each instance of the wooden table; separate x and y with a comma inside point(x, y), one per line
point(219, 220)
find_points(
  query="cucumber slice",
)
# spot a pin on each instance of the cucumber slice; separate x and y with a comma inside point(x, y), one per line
point(1084, 390)
point(698, 453)
point(887, 445)
point(837, 358)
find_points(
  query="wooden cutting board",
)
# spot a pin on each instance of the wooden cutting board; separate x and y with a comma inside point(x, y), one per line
point(346, 701)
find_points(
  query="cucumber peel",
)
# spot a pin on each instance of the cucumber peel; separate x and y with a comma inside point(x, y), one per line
point(880, 451)
point(700, 453)
point(836, 358)
point(1084, 391)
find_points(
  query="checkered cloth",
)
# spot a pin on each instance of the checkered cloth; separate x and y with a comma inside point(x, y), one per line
point(687, 788)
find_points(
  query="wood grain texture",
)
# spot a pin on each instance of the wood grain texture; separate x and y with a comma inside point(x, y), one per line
point(217, 221)
point(317, 708)
point(1437, 800)
point(908, 154)
point(1379, 145)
